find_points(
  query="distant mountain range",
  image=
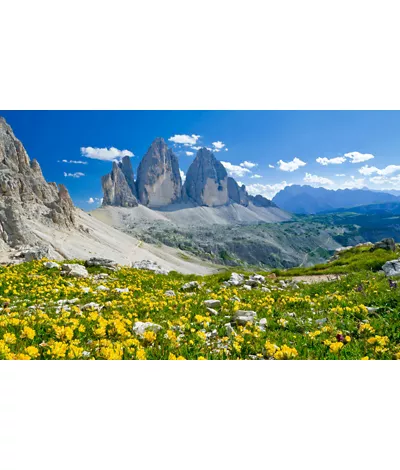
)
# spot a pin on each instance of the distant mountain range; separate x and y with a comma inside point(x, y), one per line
point(159, 184)
point(309, 200)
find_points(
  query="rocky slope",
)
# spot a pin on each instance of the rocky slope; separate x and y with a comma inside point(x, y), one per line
point(25, 195)
point(159, 182)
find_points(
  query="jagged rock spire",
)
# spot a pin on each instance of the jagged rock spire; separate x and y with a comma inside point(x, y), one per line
point(206, 180)
point(158, 181)
point(118, 186)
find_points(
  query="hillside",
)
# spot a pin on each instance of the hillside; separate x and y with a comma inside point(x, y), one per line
point(134, 314)
point(309, 200)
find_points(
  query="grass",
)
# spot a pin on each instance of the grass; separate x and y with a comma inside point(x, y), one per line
point(349, 261)
point(319, 321)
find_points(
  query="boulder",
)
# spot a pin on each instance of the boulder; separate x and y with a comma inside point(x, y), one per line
point(385, 244)
point(149, 266)
point(392, 268)
point(139, 328)
point(74, 270)
point(169, 293)
point(236, 279)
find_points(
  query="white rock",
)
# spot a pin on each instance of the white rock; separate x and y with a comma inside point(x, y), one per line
point(192, 285)
point(74, 270)
point(236, 279)
point(229, 330)
point(265, 289)
point(67, 301)
point(92, 306)
point(212, 311)
point(102, 288)
point(169, 293)
point(140, 327)
point(86, 290)
point(246, 287)
point(212, 303)
point(149, 266)
point(51, 264)
point(121, 291)
point(241, 317)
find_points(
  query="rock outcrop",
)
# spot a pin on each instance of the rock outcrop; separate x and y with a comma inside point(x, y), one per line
point(236, 193)
point(206, 181)
point(159, 181)
point(261, 201)
point(119, 185)
point(25, 195)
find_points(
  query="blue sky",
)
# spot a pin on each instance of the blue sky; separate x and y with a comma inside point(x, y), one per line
point(266, 150)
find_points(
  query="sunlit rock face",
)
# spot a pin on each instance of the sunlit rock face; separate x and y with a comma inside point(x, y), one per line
point(159, 181)
point(206, 181)
point(25, 194)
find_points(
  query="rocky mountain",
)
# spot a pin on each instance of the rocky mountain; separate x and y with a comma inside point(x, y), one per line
point(237, 194)
point(309, 200)
point(206, 181)
point(158, 181)
point(25, 195)
point(119, 186)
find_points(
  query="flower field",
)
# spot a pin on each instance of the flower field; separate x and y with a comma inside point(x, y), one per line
point(45, 315)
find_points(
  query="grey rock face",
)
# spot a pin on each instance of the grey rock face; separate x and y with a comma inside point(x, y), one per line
point(118, 186)
point(392, 268)
point(237, 193)
point(102, 262)
point(261, 201)
point(206, 181)
point(25, 194)
point(159, 181)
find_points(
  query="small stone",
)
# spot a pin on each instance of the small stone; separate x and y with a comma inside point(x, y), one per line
point(102, 288)
point(265, 289)
point(246, 287)
point(169, 293)
point(212, 303)
point(190, 286)
point(241, 317)
point(51, 265)
point(229, 330)
point(139, 327)
point(121, 291)
point(212, 311)
point(92, 306)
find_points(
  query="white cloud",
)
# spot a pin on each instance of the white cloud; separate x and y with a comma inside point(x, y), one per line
point(255, 176)
point(247, 164)
point(314, 179)
point(183, 176)
point(353, 183)
point(184, 139)
point(340, 175)
point(226, 149)
point(266, 190)
point(295, 164)
point(392, 181)
point(189, 154)
point(77, 162)
point(357, 157)
point(271, 166)
point(90, 201)
point(370, 170)
point(330, 161)
point(218, 145)
point(105, 154)
point(196, 148)
point(78, 174)
point(235, 170)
